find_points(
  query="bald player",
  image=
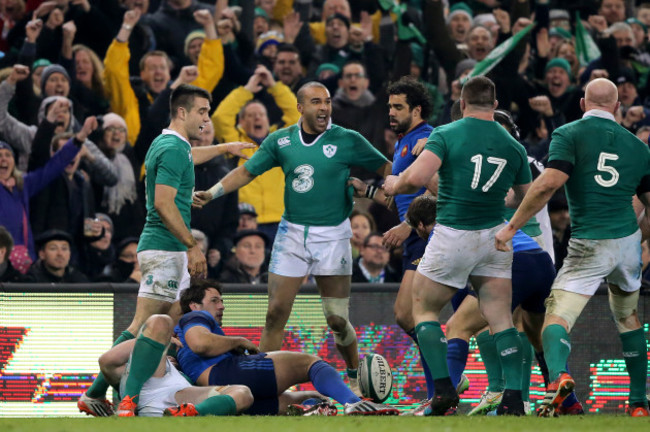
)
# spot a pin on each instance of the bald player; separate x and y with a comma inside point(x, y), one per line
point(602, 166)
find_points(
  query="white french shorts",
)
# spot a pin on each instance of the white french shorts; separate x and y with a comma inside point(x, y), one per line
point(589, 261)
point(164, 274)
point(157, 394)
point(299, 250)
point(453, 255)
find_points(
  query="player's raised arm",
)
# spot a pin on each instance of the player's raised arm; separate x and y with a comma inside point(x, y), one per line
point(203, 154)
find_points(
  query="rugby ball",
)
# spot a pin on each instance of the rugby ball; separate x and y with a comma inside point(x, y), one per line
point(375, 378)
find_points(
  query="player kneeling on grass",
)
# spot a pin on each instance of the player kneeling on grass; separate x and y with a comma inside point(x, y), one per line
point(209, 358)
point(157, 386)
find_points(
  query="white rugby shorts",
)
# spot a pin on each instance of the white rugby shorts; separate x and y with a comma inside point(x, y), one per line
point(452, 255)
point(589, 261)
point(164, 275)
point(299, 250)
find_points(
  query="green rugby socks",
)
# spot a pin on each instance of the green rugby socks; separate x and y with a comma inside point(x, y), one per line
point(488, 349)
point(98, 388)
point(508, 347)
point(635, 353)
point(557, 347)
point(433, 346)
point(219, 405)
point(144, 362)
point(527, 362)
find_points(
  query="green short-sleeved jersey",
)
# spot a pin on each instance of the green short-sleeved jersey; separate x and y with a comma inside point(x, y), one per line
point(608, 165)
point(316, 174)
point(168, 162)
point(480, 162)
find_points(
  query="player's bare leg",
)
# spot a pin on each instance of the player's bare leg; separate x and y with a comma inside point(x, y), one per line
point(403, 308)
point(282, 293)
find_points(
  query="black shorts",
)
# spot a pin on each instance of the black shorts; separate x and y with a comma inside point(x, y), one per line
point(533, 274)
point(254, 371)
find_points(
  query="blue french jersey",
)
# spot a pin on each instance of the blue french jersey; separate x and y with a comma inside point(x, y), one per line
point(193, 364)
point(403, 158)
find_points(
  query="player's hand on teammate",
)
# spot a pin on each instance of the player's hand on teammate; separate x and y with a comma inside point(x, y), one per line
point(389, 185)
point(503, 239)
point(235, 148)
point(359, 187)
point(395, 236)
point(201, 198)
point(196, 264)
point(419, 146)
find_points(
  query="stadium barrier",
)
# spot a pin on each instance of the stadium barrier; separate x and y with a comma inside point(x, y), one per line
point(51, 336)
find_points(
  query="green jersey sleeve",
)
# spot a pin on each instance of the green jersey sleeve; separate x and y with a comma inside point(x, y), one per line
point(561, 147)
point(264, 158)
point(170, 166)
point(365, 155)
point(436, 144)
point(523, 175)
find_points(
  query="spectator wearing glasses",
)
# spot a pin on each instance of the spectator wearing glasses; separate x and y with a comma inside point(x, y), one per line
point(372, 264)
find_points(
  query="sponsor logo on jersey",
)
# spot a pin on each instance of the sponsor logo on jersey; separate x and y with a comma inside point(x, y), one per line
point(566, 342)
point(283, 142)
point(404, 150)
point(329, 150)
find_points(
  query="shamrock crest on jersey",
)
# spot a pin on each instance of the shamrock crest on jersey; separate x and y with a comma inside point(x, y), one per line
point(329, 150)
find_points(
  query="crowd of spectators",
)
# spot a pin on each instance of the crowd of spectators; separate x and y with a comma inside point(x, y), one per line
point(85, 88)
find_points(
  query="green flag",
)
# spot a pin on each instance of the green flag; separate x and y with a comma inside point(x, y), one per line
point(586, 48)
point(499, 53)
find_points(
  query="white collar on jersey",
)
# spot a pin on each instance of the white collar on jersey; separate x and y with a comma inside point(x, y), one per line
point(599, 113)
point(172, 132)
point(329, 126)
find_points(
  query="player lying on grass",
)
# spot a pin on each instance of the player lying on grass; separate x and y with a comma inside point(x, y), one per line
point(165, 391)
point(209, 358)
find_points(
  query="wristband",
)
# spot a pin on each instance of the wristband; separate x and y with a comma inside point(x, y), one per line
point(371, 191)
point(216, 191)
point(127, 26)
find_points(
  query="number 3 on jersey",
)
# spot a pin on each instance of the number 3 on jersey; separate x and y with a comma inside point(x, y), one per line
point(478, 164)
point(602, 160)
point(305, 180)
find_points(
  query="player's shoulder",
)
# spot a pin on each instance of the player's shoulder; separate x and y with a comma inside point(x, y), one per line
point(196, 318)
point(281, 137)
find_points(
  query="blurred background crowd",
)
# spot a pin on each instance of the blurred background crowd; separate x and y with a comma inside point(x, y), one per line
point(76, 217)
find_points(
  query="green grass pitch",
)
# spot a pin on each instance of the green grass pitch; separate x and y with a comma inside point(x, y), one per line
point(587, 423)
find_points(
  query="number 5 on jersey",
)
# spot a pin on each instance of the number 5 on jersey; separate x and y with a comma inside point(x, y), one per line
point(478, 164)
point(602, 160)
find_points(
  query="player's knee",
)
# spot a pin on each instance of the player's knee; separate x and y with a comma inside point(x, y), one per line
point(277, 315)
point(566, 305)
point(243, 397)
point(158, 327)
point(336, 314)
point(403, 318)
point(624, 309)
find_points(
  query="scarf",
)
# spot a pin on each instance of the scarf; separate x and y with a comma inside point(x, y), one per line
point(116, 196)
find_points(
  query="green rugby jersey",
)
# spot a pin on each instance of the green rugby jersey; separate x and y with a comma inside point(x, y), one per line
point(608, 165)
point(168, 162)
point(480, 162)
point(316, 174)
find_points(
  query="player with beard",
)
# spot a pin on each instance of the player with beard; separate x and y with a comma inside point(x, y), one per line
point(409, 104)
point(314, 233)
